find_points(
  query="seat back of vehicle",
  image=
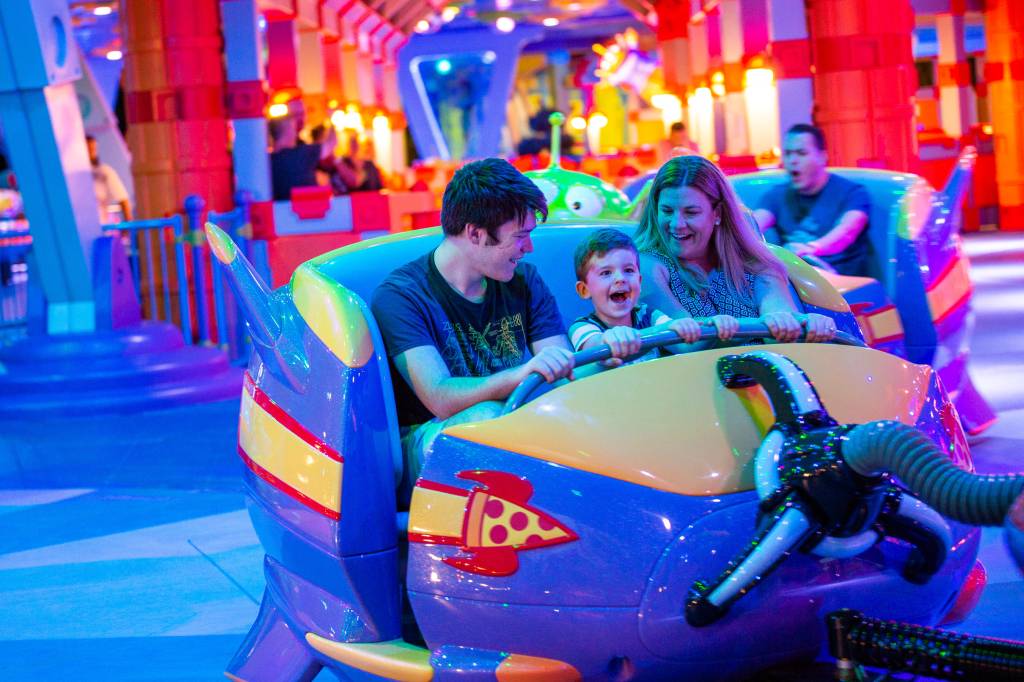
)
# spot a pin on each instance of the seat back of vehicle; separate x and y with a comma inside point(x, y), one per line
point(901, 209)
point(899, 206)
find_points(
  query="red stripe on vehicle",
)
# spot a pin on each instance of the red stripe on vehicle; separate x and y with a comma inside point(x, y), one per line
point(441, 487)
point(427, 539)
point(960, 302)
point(285, 488)
point(287, 421)
point(948, 268)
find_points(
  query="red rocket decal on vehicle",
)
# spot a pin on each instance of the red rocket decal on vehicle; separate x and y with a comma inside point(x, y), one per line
point(497, 524)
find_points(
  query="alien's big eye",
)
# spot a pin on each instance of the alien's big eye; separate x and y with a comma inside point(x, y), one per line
point(584, 201)
point(547, 188)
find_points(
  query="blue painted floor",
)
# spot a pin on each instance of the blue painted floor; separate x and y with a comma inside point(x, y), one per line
point(126, 552)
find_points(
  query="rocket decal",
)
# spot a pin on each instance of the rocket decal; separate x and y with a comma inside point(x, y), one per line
point(497, 523)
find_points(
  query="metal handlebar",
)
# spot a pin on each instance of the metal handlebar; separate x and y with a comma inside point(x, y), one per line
point(750, 328)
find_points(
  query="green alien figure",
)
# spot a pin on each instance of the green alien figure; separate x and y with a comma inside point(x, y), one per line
point(572, 195)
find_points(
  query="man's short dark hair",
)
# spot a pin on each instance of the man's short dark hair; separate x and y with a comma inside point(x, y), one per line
point(488, 194)
point(812, 130)
point(677, 127)
point(598, 244)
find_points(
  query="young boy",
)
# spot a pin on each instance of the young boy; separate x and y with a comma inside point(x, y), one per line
point(608, 273)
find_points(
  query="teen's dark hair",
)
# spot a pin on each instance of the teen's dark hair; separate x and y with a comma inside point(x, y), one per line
point(597, 244)
point(677, 127)
point(813, 131)
point(488, 194)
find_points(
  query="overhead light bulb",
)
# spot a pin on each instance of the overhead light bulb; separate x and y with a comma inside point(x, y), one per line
point(505, 24)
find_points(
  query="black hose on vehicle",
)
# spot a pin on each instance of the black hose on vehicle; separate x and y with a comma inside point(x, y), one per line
point(888, 446)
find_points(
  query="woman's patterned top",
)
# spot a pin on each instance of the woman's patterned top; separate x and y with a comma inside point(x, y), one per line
point(715, 299)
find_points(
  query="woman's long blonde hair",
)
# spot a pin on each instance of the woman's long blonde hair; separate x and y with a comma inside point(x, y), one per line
point(737, 246)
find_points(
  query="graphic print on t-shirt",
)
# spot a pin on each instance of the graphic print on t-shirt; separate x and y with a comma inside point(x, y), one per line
point(471, 352)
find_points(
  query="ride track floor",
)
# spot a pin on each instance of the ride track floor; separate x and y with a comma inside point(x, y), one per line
point(126, 552)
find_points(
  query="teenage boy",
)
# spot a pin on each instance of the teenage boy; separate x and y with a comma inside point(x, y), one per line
point(466, 323)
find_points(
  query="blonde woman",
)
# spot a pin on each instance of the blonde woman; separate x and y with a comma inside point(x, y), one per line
point(699, 257)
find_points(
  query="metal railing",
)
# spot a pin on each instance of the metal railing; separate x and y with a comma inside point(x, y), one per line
point(155, 250)
point(175, 277)
point(220, 323)
point(15, 244)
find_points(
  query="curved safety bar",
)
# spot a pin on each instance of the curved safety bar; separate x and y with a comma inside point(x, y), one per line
point(888, 446)
point(819, 500)
point(789, 529)
point(797, 407)
point(750, 328)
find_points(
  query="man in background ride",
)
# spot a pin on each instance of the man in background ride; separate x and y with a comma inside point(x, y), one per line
point(817, 213)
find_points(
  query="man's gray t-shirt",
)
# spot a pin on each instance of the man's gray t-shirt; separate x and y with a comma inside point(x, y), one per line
point(804, 218)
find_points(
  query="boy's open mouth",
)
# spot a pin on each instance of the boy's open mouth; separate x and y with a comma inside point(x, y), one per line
point(619, 296)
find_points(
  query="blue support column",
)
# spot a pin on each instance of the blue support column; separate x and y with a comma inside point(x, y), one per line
point(43, 129)
point(95, 354)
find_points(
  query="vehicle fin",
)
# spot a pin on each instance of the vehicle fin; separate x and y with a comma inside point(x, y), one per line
point(281, 355)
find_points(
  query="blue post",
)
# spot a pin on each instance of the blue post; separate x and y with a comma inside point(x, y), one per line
point(129, 239)
point(146, 243)
point(194, 206)
point(243, 233)
point(161, 234)
point(179, 259)
point(223, 335)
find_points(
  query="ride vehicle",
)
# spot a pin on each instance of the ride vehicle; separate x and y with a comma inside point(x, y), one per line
point(578, 536)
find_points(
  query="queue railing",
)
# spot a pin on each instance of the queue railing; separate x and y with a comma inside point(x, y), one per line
point(15, 244)
point(220, 321)
point(176, 279)
point(155, 250)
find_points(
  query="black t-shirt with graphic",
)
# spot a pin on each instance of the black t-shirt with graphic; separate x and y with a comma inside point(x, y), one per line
point(415, 307)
